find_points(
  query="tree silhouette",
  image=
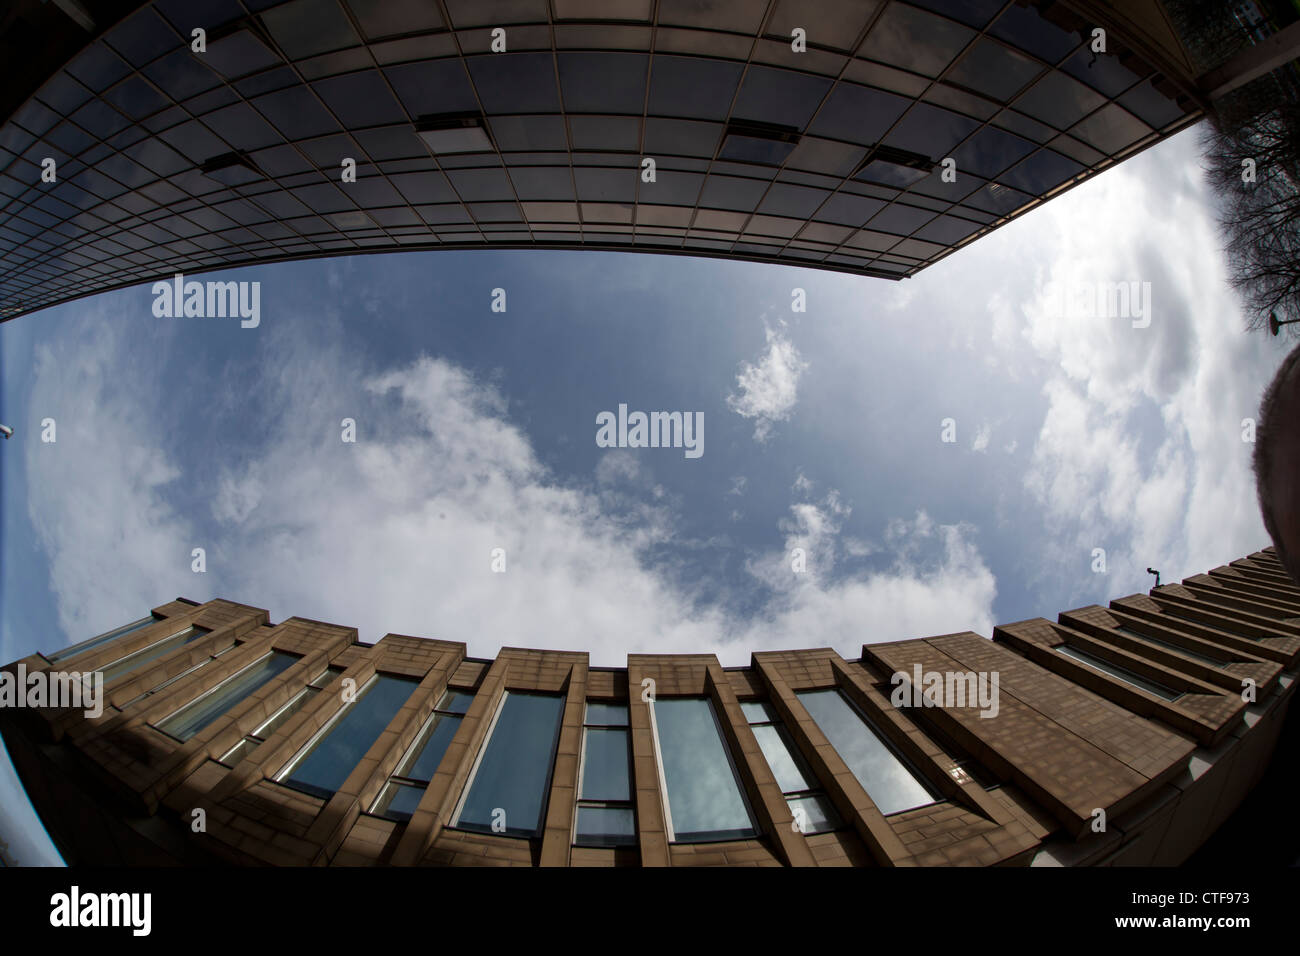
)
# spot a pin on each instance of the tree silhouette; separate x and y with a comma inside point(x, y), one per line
point(1251, 144)
point(1252, 159)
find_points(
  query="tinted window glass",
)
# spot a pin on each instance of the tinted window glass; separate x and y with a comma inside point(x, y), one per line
point(327, 762)
point(704, 798)
point(514, 772)
point(151, 653)
point(188, 721)
point(892, 786)
point(101, 639)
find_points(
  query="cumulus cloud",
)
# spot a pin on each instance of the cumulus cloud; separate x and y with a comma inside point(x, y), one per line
point(936, 583)
point(1140, 447)
point(395, 532)
point(99, 497)
point(768, 388)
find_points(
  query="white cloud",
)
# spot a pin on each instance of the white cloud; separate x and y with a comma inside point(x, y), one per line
point(769, 387)
point(395, 532)
point(937, 583)
point(98, 496)
point(982, 436)
point(1139, 449)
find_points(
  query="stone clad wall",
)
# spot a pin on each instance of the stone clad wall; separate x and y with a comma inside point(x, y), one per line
point(1074, 766)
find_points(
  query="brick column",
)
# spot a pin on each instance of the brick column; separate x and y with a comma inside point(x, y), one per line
point(439, 802)
point(652, 831)
point(557, 836)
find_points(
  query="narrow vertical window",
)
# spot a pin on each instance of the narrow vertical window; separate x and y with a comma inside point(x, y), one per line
point(703, 796)
point(273, 723)
point(198, 714)
point(605, 813)
point(892, 785)
point(157, 649)
point(812, 809)
point(406, 786)
point(1120, 672)
point(101, 639)
point(1177, 648)
point(331, 755)
point(229, 645)
point(510, 781)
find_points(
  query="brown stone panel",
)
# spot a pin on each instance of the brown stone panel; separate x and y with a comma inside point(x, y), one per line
point(1243, 596)
point(1230, 604)
point(1068, 739)
point(941, 768)
point(1269, 637)
point(436, 807)
point(1146, 747)
point(1252, 583)
point(731, 853)
point(839, 848)
point(1212, 698)
point(1070, 750)
point(1271, 646)
point(764, 794)
point(1257, 571)
point(431, 663)
point(1237, 663)
point(562, 801)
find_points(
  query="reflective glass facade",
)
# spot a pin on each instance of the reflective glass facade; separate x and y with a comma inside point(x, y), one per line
point(170, 160)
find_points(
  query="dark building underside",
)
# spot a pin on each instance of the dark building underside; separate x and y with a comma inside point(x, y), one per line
point(832, 157)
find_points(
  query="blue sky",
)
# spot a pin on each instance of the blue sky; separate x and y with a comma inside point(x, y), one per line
point(476, 430)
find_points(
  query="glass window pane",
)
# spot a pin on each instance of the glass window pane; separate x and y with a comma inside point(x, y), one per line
point(1123, 673)
point(1059, 100)
point(814, 814)
point(704, 798)
point(240, 751)
point(1027, 29)
point(1215, 625)
point(605, 826)
point(456, 701)
point(1186, 652)
point(398, 801)
point(994, 69)
point(889, 782)
point(608, 715)
point(422, 762)
point(757, 711)
point(189, 720)
point(514, 771)
point(327, 762)
point(779, 751)
point(154, 651)
point(915, 40)
point(326, 676)
point(101, 639)
point(277, 720)
point(605, 771)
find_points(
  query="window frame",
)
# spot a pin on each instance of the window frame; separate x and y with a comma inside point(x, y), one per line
point(396, 781)
point(670, 830)
point(581, 802)
point(216, 688)
point(468, 788)
point(300, 756)
point(257, 735)
point(106, 637)
point(922, 779)
point(773, 720)
point(141, 652)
